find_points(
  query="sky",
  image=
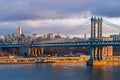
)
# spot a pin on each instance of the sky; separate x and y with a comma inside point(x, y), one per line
point(56, 16)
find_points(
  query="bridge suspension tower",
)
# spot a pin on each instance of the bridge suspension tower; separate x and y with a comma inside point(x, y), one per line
point(96, 35)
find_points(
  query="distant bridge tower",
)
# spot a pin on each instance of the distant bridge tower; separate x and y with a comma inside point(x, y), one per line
point(96, 35)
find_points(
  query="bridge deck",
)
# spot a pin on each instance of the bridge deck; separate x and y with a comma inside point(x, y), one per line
point(63, 44)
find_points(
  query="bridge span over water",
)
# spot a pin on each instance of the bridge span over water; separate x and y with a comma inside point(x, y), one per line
point(96, 42)
point(64, 44)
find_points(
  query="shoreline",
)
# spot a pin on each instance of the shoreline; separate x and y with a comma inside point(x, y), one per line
point(43, 60)
point(54, 59)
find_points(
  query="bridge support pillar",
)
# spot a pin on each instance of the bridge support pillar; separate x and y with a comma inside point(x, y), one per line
point(36, 51)
point(23, 51)
point(96, 63)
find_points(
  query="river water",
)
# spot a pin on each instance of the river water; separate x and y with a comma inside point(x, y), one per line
point(58, 71)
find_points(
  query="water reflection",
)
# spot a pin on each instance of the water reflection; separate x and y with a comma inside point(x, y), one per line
point(59, 71)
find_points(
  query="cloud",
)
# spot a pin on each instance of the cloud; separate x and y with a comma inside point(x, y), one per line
point(42, 26)
point(37, 9)
point(43, 16)
point(51, 9)
point(106, 8)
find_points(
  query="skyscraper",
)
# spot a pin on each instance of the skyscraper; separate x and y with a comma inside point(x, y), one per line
point(50, 36)
point(34, 36)
point(19, 31)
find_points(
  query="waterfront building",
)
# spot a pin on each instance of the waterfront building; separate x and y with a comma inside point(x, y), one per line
point(34, 36)
point(50, 36)
point(115, 37)
point(40, 38)
point(107, 50)
point(57, 36)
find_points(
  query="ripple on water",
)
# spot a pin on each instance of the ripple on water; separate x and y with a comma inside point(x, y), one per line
point(59, 71)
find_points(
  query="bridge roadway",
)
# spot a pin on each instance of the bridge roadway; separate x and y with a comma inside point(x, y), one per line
point(63, 44)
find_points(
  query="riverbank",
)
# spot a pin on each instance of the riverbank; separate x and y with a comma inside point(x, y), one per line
point(54, 59)
point(35, 60)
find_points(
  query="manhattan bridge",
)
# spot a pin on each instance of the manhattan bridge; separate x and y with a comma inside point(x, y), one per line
point(96, 27)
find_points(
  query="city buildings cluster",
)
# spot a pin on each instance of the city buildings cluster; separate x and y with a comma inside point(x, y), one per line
point(115, 37)
point(20, 38)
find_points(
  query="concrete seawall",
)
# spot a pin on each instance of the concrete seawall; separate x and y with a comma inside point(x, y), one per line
point(43, 60)
point(112, 60)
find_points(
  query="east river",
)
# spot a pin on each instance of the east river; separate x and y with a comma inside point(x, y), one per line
point(59, 71)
